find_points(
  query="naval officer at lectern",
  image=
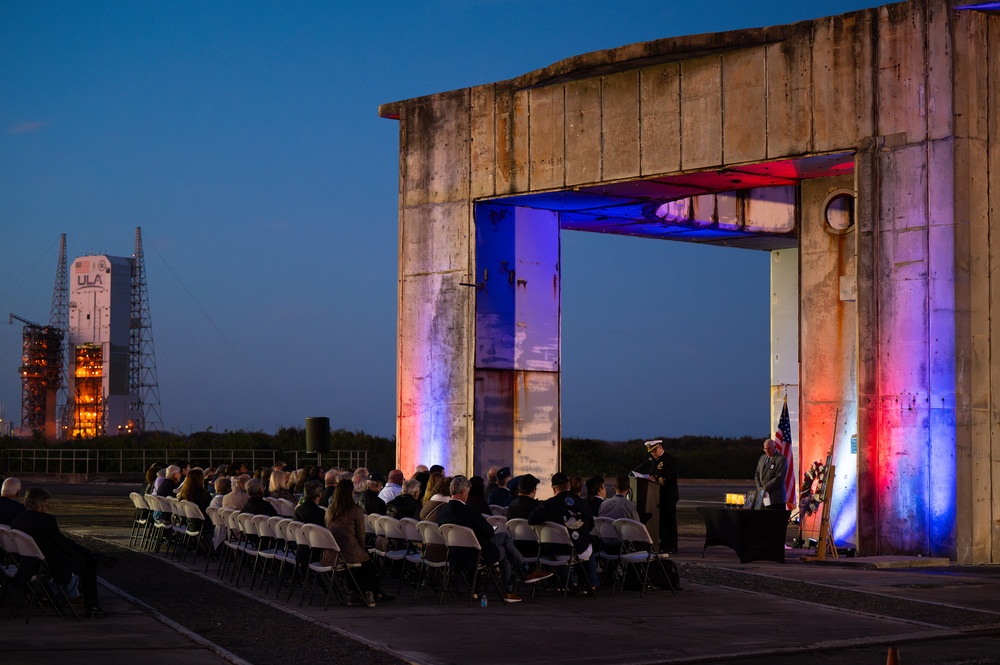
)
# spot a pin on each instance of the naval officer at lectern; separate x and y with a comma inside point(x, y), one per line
point(662, 469)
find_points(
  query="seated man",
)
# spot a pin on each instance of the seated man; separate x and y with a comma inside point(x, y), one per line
point(330, 478)
point(72, 565)
point(525, 502)
point(406, 504)
point(256, 505)
point(570, 510)
point(619, 506)
point(496, 547)
point(501, 496)
point(10, 506)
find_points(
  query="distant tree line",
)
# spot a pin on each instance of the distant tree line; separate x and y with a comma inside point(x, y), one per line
point(697, 456)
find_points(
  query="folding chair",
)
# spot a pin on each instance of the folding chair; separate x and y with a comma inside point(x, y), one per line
point(632, 532)
point(264, 526)
point(554, 540)
point(195, 525)
point(140, 520)
point(611, 547)
point(8, 560)
point(499, 523)
point(320, 538)
point(397, 546)
point(40, 581)
point(498, 510)
point(284, 507)
point(285, 531)
point(459, 538)
point(430, 538)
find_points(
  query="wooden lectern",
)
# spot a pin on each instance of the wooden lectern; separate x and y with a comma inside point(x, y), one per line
point(646, 495)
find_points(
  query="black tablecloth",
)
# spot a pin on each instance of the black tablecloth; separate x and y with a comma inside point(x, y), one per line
point(755, 535)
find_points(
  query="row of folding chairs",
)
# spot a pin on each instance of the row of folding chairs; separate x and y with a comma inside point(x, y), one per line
point(25, 568)
point(169, 523)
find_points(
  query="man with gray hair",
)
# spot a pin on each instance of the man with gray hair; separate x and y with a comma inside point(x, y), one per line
point(496, 547)
point(10, 506)
point(330, 481)
point(171, 481)
point(256, 505)
point(407, 504)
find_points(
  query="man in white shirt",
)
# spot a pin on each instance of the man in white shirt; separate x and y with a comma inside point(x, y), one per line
point(394, 487)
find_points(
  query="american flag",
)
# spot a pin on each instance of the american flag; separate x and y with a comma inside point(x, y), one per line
point(783, 439)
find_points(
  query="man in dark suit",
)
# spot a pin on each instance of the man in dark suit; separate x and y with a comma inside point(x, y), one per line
point(770, 476)
point(496, 547)
point(65, 558)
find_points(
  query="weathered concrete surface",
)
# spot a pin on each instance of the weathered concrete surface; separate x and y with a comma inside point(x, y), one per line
point(910, 89)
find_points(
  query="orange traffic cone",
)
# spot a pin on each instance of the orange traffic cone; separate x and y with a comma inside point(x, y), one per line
point(892, 658)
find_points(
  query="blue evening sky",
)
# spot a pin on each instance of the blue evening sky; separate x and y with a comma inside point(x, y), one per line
point(243, 138)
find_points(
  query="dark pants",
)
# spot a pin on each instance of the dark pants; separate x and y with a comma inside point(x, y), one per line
point(668, 525)
point(83, 563)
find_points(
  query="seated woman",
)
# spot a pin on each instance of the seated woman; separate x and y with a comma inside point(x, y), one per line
point(279, 486)
point(440, 496)
point(346, 521)
point(193, 490)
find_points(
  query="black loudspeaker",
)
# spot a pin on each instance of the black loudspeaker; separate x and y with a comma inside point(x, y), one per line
point(317, 435)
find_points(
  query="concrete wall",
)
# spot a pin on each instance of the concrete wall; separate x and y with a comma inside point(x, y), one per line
point(911, 88)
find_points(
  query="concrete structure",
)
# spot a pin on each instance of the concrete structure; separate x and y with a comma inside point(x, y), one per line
point(861, 149)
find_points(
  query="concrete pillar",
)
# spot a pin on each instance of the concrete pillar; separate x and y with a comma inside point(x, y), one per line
point(829, 350)
point(518, 295)
point(785, 343)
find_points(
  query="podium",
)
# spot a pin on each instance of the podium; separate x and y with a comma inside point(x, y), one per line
point(646, 495)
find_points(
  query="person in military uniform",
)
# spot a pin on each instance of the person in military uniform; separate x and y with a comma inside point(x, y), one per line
point(662, 468)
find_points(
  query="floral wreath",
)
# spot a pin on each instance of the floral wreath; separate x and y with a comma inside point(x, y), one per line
point(810, 494)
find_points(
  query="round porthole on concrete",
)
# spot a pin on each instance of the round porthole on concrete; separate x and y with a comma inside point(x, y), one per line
point(838, 212)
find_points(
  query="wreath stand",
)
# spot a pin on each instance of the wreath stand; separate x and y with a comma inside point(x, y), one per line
point(826, 545)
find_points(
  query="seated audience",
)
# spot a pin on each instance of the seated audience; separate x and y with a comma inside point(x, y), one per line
point(496, 546)
point(432, 482)
point(393, 487)
point(193, 490)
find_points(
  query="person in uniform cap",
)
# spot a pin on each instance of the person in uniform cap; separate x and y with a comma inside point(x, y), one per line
point(662, 468)
point(501, 496)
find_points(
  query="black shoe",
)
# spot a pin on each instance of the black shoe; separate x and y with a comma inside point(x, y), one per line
point(96, 613)
point(381, 597)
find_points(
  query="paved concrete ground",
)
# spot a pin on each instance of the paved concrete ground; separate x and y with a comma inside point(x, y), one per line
point(743, 618)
